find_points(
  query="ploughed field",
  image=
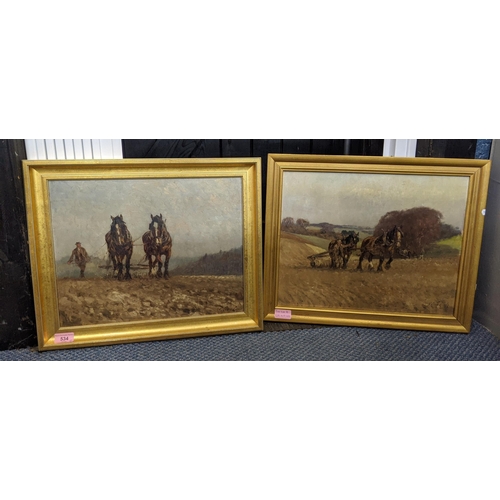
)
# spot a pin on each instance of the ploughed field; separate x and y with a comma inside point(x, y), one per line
point(425, 286)
point(107, 300)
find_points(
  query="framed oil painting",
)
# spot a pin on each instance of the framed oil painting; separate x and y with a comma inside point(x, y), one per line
point(373, 241)
point(133, 250)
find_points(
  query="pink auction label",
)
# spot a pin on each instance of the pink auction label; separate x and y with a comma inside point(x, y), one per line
point(63, 338)
point(283, 313)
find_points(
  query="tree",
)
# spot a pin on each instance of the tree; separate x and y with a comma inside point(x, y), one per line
point(448, 231)
point(287, 224)
point(421, 227)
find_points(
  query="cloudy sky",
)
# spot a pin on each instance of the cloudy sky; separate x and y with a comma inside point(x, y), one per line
point(361, 199)
point(203, 215)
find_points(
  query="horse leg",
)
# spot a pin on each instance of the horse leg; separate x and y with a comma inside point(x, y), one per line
point(115, 266)
point(370, 263)
point(345, 261)
point(151, 265)
point(160, 265)
point(128, 276)
point(388, 263)
point(360, 267)
point(332, 260)
point(165, 271)
point(380, 262)
point(340, 259)
point(120, 268)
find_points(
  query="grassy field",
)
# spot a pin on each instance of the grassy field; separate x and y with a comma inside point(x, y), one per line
point(446, 248)
point(453, 242)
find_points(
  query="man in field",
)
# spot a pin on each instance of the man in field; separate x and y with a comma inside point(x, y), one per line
point(81, 257)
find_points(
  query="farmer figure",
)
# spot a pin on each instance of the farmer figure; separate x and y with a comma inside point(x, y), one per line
point(81, 257)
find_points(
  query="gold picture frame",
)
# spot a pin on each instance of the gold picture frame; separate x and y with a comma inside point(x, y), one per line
point(199, 216)
point(320, 210)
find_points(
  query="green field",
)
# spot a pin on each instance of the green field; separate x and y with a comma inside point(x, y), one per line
point(453, 242)
point(446, 248)
point(315, 240)
point(323, 242)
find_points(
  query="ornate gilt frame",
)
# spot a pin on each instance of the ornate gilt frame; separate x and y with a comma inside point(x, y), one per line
point(38, 175)
point(459, 320)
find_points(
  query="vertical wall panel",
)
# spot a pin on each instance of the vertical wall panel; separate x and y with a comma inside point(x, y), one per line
point(211, 148)
point(297, 146)
point(60, 151)
point(236, 147)
point(40, 149)
point(31, 152)
point(87, 149)
point(487, 303)
point(17, 314)
point(117, 148)
point(71, 149)
point(447, 148)
point(327, 146)
point(50, 147)
point(96, 148)
point(78, 147)
point(405, 148)
point(106, 149)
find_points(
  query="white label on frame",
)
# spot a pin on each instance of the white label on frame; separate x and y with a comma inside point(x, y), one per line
point(64, 338)
point(283, 314)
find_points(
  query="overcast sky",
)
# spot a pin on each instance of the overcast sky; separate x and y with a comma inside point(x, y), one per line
point(361, 199)
point(203, 215)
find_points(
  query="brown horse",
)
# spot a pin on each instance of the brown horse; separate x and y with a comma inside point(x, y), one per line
point(157, 242)
point(381, 247)
point(340, 250)
point(120, 247)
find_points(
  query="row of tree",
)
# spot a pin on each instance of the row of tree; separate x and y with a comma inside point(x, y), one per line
point(422, 226)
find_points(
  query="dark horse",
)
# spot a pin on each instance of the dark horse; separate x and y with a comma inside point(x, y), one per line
point(157, 242)
point(340, 250)
point(381, 247)
point(120, 247)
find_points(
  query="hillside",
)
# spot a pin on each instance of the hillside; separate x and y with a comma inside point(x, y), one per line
point(425, 286)
point(294, 250)
point(219, 264)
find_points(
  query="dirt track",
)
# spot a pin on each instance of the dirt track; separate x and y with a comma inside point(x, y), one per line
point(410, 286)
point(98, 300)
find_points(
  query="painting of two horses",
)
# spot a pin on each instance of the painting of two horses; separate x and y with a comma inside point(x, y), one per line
point(370, 242)
point(158, 248)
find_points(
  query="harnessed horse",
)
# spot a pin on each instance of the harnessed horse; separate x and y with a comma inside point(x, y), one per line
point(157, 242)
point(340, 250)
point(382, 247)
point(120, 247)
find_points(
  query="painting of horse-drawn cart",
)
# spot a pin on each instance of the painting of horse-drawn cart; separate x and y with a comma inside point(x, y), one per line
point(165, 244)
point(373, 241)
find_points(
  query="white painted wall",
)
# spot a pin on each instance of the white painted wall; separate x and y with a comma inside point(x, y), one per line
point(73, 149)
point(400, 147)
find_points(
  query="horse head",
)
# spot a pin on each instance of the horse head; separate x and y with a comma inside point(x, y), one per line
point(157, 223)
point(354, 239)
point(395, 235)
point(117, 223)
